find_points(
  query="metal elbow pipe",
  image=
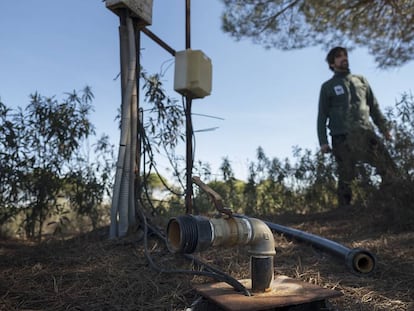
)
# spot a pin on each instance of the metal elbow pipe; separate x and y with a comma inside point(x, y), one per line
point(359, 261)
point(262, 242)
point(188, 234)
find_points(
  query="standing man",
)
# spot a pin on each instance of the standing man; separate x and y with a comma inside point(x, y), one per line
point(346, 104)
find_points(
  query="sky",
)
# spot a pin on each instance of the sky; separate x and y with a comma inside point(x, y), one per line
point(266, 98)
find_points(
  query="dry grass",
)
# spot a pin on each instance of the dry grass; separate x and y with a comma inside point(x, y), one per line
point(90, 272)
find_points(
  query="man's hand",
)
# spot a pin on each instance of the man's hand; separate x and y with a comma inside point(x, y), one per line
point(325, 148)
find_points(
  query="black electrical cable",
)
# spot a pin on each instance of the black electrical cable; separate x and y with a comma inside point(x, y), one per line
point(147, 146)
point(212, 273)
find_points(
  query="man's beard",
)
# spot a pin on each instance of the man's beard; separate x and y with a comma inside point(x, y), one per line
point(344, 65)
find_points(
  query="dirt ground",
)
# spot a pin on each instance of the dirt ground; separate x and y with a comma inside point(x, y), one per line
point(91, 272)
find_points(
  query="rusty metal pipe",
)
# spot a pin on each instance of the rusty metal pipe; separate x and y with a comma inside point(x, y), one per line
point(188, 234)
point(359, 261)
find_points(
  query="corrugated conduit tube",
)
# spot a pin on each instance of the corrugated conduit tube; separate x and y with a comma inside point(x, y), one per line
point(120, 197)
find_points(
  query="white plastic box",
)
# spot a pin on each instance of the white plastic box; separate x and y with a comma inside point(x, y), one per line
point(192, 74)
point(141, 9)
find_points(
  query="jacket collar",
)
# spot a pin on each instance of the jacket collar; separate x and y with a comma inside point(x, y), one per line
point(342, 74)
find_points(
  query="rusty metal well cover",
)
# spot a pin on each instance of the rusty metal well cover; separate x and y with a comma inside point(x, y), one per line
point(284, 292)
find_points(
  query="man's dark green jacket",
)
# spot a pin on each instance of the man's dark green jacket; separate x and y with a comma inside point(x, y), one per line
point(346, 102)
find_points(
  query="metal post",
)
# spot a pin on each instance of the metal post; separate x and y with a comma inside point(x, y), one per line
point(188, 24)
point(189, 126)
point(189, 157)
point(136, 133)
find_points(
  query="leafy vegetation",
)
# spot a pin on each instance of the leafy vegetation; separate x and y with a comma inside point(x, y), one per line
point(42, 161)
point(45, 158)
point(308, 183)
point(384, 27)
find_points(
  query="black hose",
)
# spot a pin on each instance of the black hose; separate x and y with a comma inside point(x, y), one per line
point(359, 261)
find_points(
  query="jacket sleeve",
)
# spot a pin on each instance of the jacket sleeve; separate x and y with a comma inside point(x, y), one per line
point(374, 110)
point(322, 117)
